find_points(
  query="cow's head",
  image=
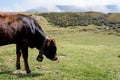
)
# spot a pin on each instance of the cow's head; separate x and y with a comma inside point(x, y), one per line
point(49, 50)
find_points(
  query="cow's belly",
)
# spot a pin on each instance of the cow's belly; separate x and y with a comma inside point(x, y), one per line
point(7, 34)
point(6, 39)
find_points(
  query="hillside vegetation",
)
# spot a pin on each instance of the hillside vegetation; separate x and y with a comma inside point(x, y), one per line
point(66, 19)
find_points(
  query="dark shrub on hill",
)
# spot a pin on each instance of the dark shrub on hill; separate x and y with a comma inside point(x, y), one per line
point(67, 19)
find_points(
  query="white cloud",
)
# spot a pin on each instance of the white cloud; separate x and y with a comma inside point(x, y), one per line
point(95, 5)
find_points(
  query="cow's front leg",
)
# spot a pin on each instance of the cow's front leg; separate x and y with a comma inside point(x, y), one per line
point(25, 57)
point(18, 55)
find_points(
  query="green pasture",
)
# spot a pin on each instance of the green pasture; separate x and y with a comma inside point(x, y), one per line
point(83, 55)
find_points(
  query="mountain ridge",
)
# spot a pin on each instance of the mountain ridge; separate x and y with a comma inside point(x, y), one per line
point(70, 8)
point(58, 8)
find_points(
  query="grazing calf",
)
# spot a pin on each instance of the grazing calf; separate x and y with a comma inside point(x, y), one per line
point(25, 32)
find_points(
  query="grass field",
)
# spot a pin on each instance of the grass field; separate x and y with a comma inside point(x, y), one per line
point(83, 55)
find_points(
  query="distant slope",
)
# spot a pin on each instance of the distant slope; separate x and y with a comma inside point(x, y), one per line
point(74, 18)
point(39, 9)
point(66, 19)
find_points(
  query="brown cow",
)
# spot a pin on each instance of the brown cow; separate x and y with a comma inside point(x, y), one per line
point(25, 32)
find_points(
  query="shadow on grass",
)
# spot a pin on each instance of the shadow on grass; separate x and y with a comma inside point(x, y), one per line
point(21, 75)
point(119, 56)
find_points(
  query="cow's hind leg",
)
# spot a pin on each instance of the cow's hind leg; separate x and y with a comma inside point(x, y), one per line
point(25, 57)
point(18, 54)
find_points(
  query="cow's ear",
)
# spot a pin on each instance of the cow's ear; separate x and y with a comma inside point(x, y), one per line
point(48, 42)
point(52, 42)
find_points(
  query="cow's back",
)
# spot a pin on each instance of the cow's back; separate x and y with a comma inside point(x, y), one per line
point(10, 25)
point(20, 29)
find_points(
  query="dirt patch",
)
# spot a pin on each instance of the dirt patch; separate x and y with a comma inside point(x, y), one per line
point(118, 75)
point(41, 67)
point(61, 57)
point(19, 73)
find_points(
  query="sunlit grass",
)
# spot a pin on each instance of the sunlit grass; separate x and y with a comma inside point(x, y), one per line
point(83, 55)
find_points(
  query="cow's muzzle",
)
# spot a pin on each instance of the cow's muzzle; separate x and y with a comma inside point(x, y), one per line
point(54, 59)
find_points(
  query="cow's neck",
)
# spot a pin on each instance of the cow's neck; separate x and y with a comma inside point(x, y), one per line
point(40, 38)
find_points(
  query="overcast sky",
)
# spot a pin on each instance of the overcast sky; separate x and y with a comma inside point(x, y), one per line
point(88, 5)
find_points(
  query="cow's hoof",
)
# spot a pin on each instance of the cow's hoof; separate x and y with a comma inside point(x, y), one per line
point(18, 68)
point(28, 72)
